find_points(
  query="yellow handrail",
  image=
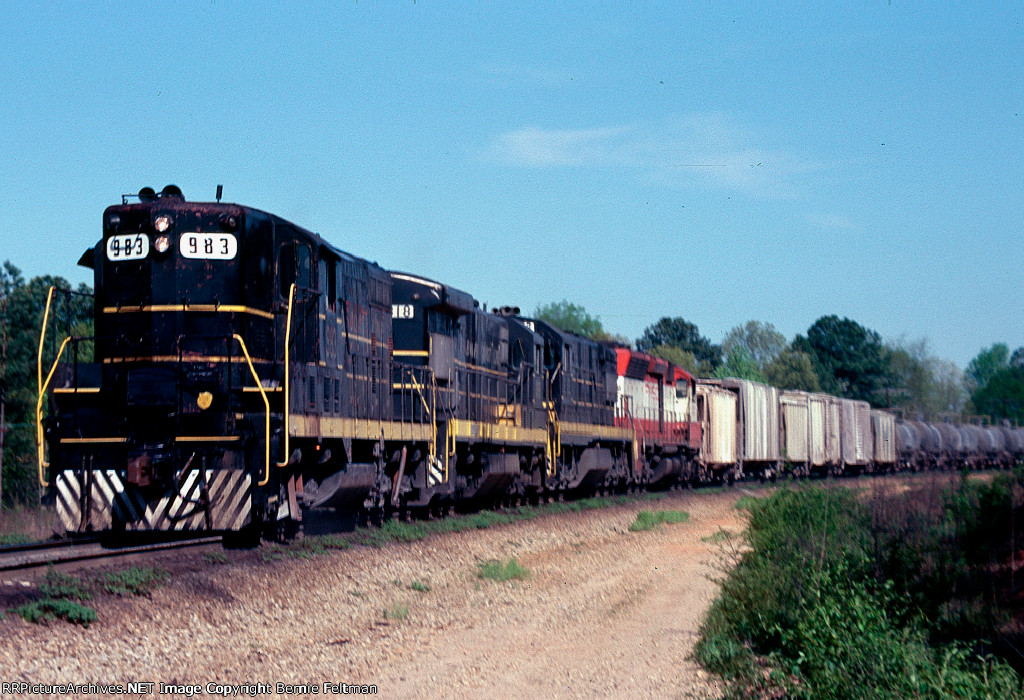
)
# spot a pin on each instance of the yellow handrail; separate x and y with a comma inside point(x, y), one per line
point(40, 443)
point(42, 340)
point(266, 403)
point(287, 374)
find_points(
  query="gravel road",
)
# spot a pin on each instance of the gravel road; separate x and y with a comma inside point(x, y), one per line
point(604, 612)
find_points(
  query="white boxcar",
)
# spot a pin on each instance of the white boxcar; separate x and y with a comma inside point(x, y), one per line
point(758, 424)
point(883, 430)
point(716, 411)
point(817, 430)
point(856, 431)
point(795, 423)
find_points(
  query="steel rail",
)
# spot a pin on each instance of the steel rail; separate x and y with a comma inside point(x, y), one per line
point(57, 552)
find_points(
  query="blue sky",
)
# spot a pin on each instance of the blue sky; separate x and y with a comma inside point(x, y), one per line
point(716, 161)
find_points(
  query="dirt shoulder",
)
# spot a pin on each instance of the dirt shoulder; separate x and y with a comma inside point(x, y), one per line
point(604, 612)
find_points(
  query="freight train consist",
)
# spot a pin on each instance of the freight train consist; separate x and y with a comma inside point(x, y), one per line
point(243, 371)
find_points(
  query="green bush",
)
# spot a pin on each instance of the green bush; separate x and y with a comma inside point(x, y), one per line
point(809, 612)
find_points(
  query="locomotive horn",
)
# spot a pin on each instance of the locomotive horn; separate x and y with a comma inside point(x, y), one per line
point(172, 191)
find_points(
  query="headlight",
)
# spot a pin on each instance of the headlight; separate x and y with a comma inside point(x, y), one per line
point(162, 223)
point(162, 243)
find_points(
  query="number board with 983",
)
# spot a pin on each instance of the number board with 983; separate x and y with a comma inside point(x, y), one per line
point(127, 246)
point(208, 246)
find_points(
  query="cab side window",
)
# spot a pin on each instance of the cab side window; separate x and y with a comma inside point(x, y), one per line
point(295, 266)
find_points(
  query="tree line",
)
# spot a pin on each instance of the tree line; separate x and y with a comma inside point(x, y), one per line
point(836, 356)
point(22, 305)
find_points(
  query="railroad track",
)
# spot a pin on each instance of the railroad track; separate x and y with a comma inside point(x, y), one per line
point(35, 554)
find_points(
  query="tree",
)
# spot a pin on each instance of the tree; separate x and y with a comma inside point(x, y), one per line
point(923, 384)
point(987, 363)
point(21, 318)
point(684, 335)
point(949, 394)
point(1017, 358)
point(1002, 396)
point(739, 364)
point(572, 318)
point(760, 340)
point(793, 369)
point(850, 360)
point(677, 356)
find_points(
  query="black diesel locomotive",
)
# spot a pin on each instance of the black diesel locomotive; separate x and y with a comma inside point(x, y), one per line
point(245, 370)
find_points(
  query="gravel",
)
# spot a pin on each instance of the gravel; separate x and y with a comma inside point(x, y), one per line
point(604, 612)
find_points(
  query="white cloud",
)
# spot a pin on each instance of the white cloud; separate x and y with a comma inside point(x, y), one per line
point(833, 222)
point(540, 147)
point(707, 150)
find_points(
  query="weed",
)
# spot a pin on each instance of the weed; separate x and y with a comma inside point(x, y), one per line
point(64, 586)
point(216, 557)
point(135, 580)
point(719, 536)
point(419, 587)
point(43, 611)
point(357, 594)
point(396, 612)
point(648, 520)
point(498, 570)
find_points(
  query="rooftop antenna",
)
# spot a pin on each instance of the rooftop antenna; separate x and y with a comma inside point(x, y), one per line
point(220, 191)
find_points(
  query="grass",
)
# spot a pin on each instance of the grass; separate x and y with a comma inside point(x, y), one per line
point(135, 580)
point(497, 570)
point(719, 536)
point(648, 519)
point(28, 524)
point(396, 531)
point(396, 612)
point(14, 538)
point(216, 557)
point(419, 587)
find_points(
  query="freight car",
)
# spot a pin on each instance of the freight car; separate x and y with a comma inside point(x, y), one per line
point(244, 370)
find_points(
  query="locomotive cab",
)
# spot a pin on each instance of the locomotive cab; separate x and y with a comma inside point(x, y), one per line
point(157, 433)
